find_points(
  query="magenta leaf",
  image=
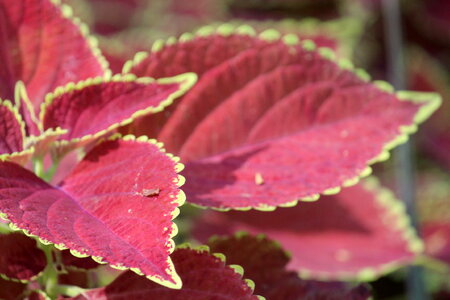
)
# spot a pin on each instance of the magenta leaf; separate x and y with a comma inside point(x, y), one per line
point(205, 276)
point(101, 208)
point(96, 106)
point(264, 261)
point(12, 135)
point(45, 47)
point(276, 122)
point(20, 258)
point(360, 233)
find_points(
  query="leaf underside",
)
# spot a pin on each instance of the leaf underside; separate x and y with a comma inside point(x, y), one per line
point(356, 234)
point(100, 209)
point(270, 123)
point(204, 277)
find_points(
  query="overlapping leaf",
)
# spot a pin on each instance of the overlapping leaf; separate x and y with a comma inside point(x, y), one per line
point(93, 107)
point(117, 205)
point(204, 276)
point(20, 258)
point(360, 233)
point(265, 263)
point(44, 47)
point(12, 134)
point(272, 121)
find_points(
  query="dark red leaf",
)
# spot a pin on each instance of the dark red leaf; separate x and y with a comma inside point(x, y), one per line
point(360, 233)
point(93, 210)
point(71, 261)
point(265, 263)
point(10, 290)
point(45, 47)
point(204, 276)
point(20, 258)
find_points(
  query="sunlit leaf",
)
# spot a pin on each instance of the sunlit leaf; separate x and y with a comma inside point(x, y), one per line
point(117, 206)
point(204, 276)
point(45, 47)
point(274, 121)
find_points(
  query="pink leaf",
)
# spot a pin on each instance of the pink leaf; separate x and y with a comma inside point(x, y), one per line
point(44, 47)
point(204, 276)
point(97, 106)
point(12, 135)
point(359, 233)
point(101, 209)
point(277, 122)
point(265, 263)
point(20, 258)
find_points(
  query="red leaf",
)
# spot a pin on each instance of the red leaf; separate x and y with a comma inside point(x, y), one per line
point(97, 106)
point(204, 276)
point(253, 121)
point(12, 135)
point(92, 211)
point(359, 233)
point(45, 48)
point(20, 258)
point(10, 290)
point(265, 261)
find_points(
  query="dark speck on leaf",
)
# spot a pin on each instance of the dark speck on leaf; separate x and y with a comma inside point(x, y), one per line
point(150, 192)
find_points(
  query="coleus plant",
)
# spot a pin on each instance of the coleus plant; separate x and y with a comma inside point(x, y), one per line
point(273, 120)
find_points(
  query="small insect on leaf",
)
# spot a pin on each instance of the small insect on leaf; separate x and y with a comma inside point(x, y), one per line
point(150, 192)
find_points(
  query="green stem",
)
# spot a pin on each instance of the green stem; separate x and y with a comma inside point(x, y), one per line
point(38, 164)
point(50, 275)
point(69, 290)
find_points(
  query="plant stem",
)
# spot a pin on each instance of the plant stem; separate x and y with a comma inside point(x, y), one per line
point(38, 164)
point(49, 278)
point(69, 290)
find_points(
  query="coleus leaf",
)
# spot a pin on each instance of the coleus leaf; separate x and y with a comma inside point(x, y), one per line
point(45, 47)
point(204, 275)
point(20, 258)
point(120, 184)
point(265, 263)
point(359, 233)
point(72, 262)
point(10, 290)
point(96, 106)
point(12, 135)
point(271, 109)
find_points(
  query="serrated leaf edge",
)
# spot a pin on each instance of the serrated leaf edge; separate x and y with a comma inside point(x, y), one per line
point(236, 268)
point(430, 101)
point(186, 81)
point(180, 200)
point(92, 42)
point(19, 156)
